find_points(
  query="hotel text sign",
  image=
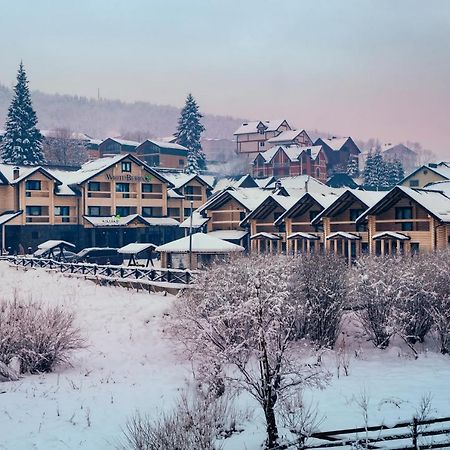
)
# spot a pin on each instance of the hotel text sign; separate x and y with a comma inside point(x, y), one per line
point(128, 177)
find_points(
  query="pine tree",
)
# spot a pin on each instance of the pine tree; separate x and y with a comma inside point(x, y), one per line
point(352, 167)
point(368, 171)
point(399, 171)
point(22, 143)
point(188, 134)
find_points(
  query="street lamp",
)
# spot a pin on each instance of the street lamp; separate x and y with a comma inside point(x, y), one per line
point(190, 236)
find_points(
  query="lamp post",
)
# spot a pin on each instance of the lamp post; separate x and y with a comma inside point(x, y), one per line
point(190, 237)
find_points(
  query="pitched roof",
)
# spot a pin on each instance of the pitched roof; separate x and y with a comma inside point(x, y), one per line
point(235, 182)
point(252, 127)
point(164, 144)
point(293, 152)
point(442, 169)
point(135, 248)
point(335, 143)
point(286, 136)
point(201, 243)
point(179, 179)
point(125, 142)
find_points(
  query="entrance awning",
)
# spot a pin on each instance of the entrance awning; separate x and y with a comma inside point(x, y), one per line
point(264, 235)
point(116, 221)
point(390, 235)
point(5, 218)
point(134, 249)
point(302, 235)
point(228, 235)
point(343, 235)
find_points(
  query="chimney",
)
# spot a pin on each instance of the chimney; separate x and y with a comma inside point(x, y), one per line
point(277, 186)
point(16, 173)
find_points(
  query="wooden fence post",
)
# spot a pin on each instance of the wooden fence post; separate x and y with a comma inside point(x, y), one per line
point(414, 436)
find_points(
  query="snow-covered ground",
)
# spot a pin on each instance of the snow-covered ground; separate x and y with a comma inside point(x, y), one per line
point(131, 364)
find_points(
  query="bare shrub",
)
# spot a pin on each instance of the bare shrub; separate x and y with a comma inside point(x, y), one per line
point(198, 422)
point(321, 282)
point(40, 336)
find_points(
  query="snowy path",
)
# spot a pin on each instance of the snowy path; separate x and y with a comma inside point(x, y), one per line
point(130, 364)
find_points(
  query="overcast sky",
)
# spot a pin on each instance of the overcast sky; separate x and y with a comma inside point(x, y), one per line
point(365, 68)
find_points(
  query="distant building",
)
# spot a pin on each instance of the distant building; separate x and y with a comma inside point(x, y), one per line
point(251, 137)
point(281, 161)
point(341, 180)
point(430, 173)
point(394, 152)
point(339, 152)
point(115, 146)
point(162, 154)
point(219, 150)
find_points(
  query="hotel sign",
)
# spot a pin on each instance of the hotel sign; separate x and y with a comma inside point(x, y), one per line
point(128, 178)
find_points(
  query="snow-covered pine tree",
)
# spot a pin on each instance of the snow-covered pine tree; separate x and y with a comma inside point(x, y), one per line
point(22, 143)
point(399, 171)
point(369, 171)
point(378, 170)
point(352, 167)
point(189, 132)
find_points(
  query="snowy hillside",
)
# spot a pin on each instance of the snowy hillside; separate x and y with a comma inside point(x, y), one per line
point(131, 364)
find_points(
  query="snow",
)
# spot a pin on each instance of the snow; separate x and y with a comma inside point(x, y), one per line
point(135, 248)
point(201, 243)
point(390, 234)
point(4, 218)
point(293, 152)
point(179, 179)
point(264, 235)
point(300, 234)
point(197, 221)
point(285, 136)
point(252, 127)
point(336, 143)
point(165, 144)
point(161, 221)
point(131, 364)
point(228, 235)
point(343, 234)
point(47, 245)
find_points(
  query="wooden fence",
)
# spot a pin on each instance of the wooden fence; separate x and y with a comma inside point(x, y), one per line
point(173, 276)
point(415, 434)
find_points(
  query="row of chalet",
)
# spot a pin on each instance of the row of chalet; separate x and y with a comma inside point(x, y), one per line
point(313, 218)
point(110, 201)
point(275, 149)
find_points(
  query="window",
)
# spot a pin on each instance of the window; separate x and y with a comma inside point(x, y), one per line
point(414, 183)
point(33, 185)
point(93, 210)
point(242, 215)
point(123, 187)
point(181, 162)
point(34, 210)
point(261, 144)
point(126, 166)
point(403, 213)
point(355, 213)
point(94, 186)
point(152, 160)
point(122, 211)
point(187, 212)
point(152, 211)
point(146, 187)
point(414, 247)
point(63, 211)
point(312, 215)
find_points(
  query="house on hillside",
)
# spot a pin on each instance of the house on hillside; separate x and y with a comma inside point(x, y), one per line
point(291, 137)
point(162, 154)
point(339, 152)
point(252, 137)
point(282, 161)
point(115, 146)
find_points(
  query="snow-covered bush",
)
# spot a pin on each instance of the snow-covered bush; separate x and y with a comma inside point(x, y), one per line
point(199, 422)
point(38, 335)
point(438, 275)
point(241, 317)
point(321, 284)
point(376, 288)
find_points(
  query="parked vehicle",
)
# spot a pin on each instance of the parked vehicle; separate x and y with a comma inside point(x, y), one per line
point(66, 256)
point(97, 255)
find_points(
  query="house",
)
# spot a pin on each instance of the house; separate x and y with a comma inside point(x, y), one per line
point(291, 137)
point(219, 150)
point(429, 173)
point(162, 154)
point(339, 152)
point(115, 146)
point(342, 234)
point(281, 161)
point(108, 202)
point(409, 220)
point(342, 180)
point(251, 137)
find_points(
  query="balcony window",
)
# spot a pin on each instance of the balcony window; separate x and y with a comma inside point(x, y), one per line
point(34, 210)
point(33, 185)
point(122, 211)
point(147, 187)
point(124, 188)
point(152, 211)
point(94, 211)
point(126, 166)
point(63, 212)
point(414, 183)
point(403, 213)
point(94, 186)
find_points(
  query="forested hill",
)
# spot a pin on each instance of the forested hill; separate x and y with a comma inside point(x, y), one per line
point(104, 118)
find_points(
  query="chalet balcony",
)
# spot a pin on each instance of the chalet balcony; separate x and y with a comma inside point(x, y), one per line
point(40, 194)
point(37, 219)
point(99, 194)
point(65, 219)
point(152, 195)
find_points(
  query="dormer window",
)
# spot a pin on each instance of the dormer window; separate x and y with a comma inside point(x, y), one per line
point(126, 166)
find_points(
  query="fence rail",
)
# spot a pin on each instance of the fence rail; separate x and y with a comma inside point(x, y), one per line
point(173, 276)
point(415, 434)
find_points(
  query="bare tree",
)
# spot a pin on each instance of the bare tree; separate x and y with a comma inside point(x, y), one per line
point(241, 317)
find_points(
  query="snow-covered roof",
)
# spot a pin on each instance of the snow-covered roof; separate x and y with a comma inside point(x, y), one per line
point(396, 147)
point(293, 152)
point(179, 179)
point(235, 182)
point(52, 243)
point(265, 207)
point(165, 144)
point(442, 169)
point(263, 182)
point(124, 142)
point(302, 182)
point(285, 136)
point(344, 235)
point(442, 186)
point(302, 235)
point(112, 221)
point(249, 198)
point(6, 217)
point(161, 221)
point(436, 202)
point(228, 235)
point(335, 143)
point(392, 235)
point(252, 127)
point(135, 248)
point(197, 221)
point(264, 235)
point(201, 243)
